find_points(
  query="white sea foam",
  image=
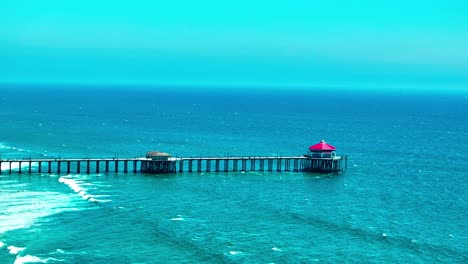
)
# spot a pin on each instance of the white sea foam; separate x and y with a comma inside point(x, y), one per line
point(73, 185)
point(25, 207)
point(177, 218)
point(15, 250)
point(3, 146)
point(2, 244)
point(29, 259)
point(77, 187)
point(234, 252)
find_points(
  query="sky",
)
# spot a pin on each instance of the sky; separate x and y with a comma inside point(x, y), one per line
point(418, 44)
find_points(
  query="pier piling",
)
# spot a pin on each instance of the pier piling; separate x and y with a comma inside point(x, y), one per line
point(190, 165)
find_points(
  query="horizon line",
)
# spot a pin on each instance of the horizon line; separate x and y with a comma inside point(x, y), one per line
point(246, 86)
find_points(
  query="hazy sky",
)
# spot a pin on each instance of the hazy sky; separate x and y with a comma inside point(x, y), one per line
point(368, 43)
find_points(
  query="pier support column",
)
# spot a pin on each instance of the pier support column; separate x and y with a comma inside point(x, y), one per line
point(270, 165)
point(49, 165)
point(305, 164)
point(278, 165)
point(68, 167)
point(244, 165)
point(217, 165)
point(30, 165)
point(135, 165)
point(78, 167)
point(296, 165)
point(173, 167)
point(208, 165)
point(199, 165)
point(0, 167)
point(116, 165)
point(97, 166)
point(19, 167)
point(190, 164)
point(125, 166)
point(235, 165)
point(9, 168)
point(226, 165)
point(262, 165)
point(181, 165)
point(87, 167)
point(59, 163)
point(346, 163)
point(107, 166)
point(39, 169)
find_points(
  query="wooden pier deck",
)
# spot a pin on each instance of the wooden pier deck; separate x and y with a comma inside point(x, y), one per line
point(173, 164)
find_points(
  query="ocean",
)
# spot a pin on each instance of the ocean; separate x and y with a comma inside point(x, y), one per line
point(403, 198)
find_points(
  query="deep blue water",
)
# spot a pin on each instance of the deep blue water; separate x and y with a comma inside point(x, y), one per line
point(402, 200)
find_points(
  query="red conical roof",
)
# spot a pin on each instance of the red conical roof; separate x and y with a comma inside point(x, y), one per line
point(322, 146)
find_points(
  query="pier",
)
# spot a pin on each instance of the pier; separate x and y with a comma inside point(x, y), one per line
point(320, 159)
point(174, 165)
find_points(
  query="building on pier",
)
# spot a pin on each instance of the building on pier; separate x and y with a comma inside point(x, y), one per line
point(156, 155)
point(158, 162)
point(322, 158)
point(321, 150)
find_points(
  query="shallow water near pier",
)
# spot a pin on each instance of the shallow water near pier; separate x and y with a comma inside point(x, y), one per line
point(402, 200)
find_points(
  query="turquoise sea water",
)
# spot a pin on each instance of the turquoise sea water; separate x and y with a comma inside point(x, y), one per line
point(402, 200)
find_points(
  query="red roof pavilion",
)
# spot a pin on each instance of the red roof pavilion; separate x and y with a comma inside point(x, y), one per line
point(322, 147)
